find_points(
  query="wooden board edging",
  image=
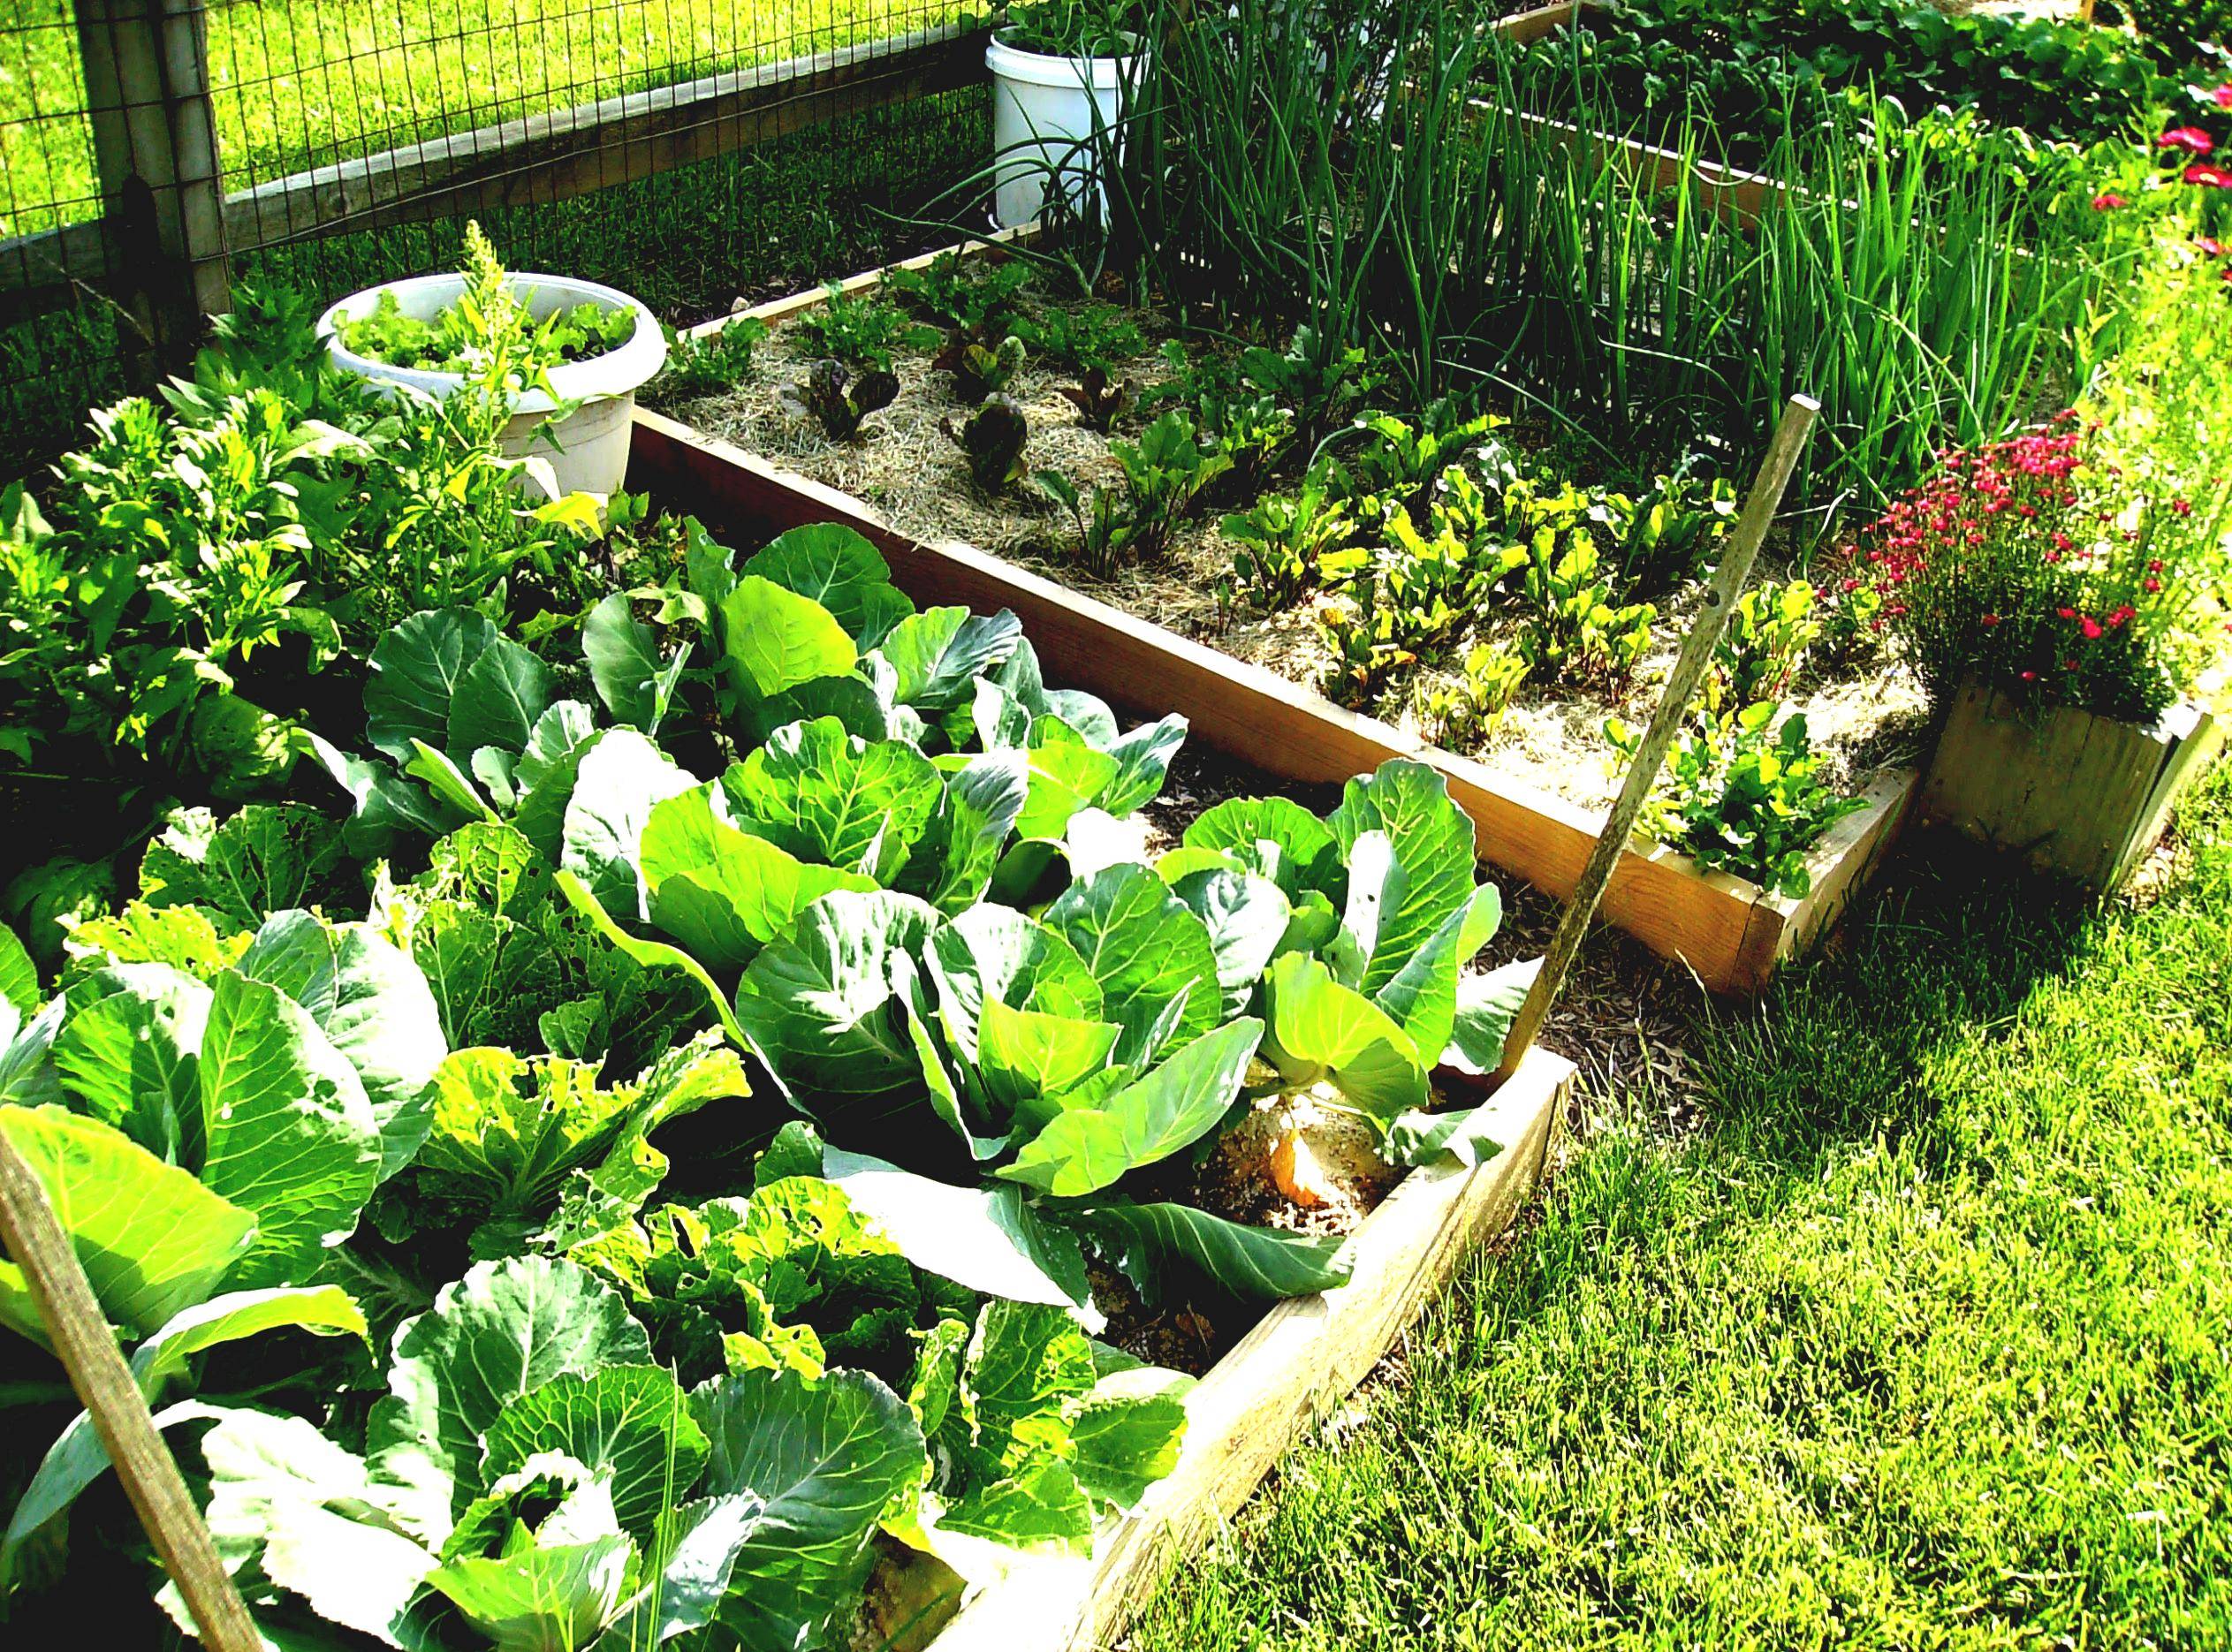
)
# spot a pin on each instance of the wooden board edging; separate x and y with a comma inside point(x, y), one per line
point(1729, 931)
point(1285, 1375)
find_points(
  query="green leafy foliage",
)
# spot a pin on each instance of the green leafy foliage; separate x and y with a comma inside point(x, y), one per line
point(1290, 545)
point(857, 332)
point(1164, 472)
point(1083, 337)
point(968, 295)
point(705, 363)
point(492, 305)
point(1745, 794)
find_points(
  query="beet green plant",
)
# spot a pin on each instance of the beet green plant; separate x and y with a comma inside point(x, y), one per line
point(1095, 335)
point(861, 332)
point(1164, 472)
point(1744, 794)
point(707, 364)
point(972, 295)
point(1289, 545)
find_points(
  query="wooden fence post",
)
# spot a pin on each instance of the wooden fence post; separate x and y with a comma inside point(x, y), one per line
point(154, 146)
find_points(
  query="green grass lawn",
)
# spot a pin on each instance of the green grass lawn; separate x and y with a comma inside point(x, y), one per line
point(1925, 1342)
point(299, 82)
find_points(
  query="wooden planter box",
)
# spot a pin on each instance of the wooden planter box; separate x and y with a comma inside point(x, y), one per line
point(1730, 932)
point(2073, 793)
point(1288, 1373)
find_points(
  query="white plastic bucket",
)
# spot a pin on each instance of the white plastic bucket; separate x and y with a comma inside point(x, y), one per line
point(587, 449)
point(1045, 118)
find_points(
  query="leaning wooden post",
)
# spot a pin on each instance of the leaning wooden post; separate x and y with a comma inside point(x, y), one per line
point(79, 1332)
point(1690, 669)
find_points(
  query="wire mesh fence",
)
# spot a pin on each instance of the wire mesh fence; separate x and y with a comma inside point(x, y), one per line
point(690, 150)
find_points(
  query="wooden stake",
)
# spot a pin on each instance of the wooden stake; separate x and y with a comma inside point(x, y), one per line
point(1690, 669)
point(88, 1347)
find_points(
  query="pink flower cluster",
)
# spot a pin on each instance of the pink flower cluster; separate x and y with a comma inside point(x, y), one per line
point(1974, 496)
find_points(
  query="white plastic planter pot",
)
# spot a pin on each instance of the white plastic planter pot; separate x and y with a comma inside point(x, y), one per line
point(1050, 116)
point(587, 449)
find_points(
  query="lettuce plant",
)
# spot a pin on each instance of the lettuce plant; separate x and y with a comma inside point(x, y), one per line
point(1100, 399)
point(982, 363)
point(992, 439)
point(839, 398)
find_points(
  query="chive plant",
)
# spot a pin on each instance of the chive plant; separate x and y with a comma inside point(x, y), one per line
point(1381, 176)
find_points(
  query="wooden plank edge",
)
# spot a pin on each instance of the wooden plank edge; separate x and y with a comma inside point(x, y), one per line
point(1696, 917)
point(1840, 868)
point(1303, 1358)
point(782, 309)
point(2201, 742)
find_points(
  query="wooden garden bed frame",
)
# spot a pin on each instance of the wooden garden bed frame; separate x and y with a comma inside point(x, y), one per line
point(1729, 932)
point(1301, 1360)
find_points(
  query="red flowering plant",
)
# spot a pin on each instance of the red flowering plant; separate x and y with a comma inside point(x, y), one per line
point(2031, 564)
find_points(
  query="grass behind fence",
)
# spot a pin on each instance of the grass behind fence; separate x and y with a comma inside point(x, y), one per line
point(299, 83)
point(776, 218)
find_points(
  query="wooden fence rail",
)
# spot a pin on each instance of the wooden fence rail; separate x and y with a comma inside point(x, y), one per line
point(163, 245)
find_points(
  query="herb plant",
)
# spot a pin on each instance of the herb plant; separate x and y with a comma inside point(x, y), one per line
point(488, 305)
point(1072, 28)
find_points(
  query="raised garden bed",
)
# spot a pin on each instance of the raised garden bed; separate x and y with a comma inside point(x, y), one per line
point(2070, 791)
point(1538, 823)
point(1300, 1360)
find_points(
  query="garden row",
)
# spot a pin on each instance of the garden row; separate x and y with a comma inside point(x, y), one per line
point(667, 1067)
point(689, 1078)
